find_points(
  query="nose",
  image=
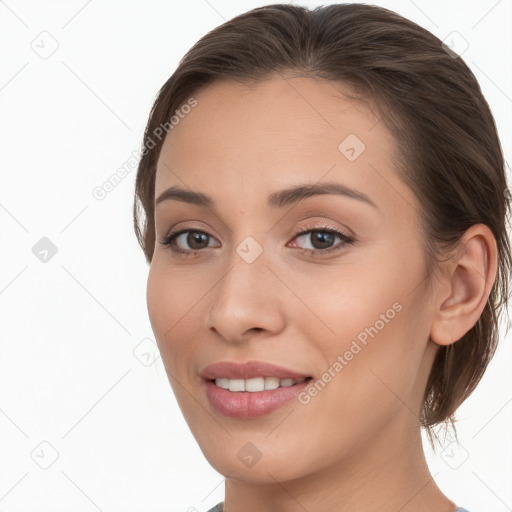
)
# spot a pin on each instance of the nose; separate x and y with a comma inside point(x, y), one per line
point(246, 300)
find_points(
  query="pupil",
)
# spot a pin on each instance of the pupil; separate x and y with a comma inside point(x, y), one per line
point(323, 237)
point(196, 237)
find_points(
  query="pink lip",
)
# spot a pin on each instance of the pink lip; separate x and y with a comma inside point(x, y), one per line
point(250, 405)
point(248, 370)
point(245, 404)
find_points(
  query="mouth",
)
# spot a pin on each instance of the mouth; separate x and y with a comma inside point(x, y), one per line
point(250, 370)
point(251, 389)
point(256, 384)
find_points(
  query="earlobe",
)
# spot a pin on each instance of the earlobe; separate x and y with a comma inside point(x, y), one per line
point(464, 285)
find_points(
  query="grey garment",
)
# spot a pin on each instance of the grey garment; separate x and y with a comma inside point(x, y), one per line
point(218, 508)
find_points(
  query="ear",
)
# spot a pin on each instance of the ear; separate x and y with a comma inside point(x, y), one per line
point(464, 285)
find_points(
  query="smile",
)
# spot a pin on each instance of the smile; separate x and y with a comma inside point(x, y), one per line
point(256, 384)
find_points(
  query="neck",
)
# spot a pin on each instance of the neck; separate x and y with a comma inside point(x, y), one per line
point(387, 473)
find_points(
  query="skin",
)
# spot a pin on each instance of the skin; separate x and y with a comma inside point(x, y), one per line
point(356, 445)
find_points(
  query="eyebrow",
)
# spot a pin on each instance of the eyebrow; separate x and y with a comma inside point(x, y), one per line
point(278, 199)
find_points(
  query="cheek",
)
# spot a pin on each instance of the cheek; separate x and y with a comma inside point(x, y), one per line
point(168, 302)
point(171, 321)
point(354, 302)
point(158, 303)
point(373, 315)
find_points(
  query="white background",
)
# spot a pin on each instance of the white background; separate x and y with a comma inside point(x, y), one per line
point(71, 327)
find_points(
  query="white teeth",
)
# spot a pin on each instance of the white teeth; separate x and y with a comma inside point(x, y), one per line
point(271, 382)
point(236, 385)
point(222, 382)
point(255, 384)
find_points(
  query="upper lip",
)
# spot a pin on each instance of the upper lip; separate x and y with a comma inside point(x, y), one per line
point(248, 370)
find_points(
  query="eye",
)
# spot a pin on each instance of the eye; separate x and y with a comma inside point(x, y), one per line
point(194, 238)
point(321, 238)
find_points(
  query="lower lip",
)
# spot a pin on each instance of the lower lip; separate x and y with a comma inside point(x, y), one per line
point(245, 404)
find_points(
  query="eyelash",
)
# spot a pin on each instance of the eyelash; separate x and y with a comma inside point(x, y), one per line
point(169, 240)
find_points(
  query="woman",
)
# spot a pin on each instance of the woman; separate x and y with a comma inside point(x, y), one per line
point(322, 201)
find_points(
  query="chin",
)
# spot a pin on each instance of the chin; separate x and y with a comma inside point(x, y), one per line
point(240, 459)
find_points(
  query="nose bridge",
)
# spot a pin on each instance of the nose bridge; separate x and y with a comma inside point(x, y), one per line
point(245, 298)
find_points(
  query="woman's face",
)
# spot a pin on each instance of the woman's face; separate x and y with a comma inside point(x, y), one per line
point(354, 317)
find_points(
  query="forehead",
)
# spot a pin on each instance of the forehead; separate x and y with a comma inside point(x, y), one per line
point(274, 133)
point(295, 109)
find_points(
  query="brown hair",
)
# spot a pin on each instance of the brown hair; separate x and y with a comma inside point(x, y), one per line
point(450, 154)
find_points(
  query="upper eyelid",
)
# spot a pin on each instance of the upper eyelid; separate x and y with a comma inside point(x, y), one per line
point(302, 231)
point(321, 224)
